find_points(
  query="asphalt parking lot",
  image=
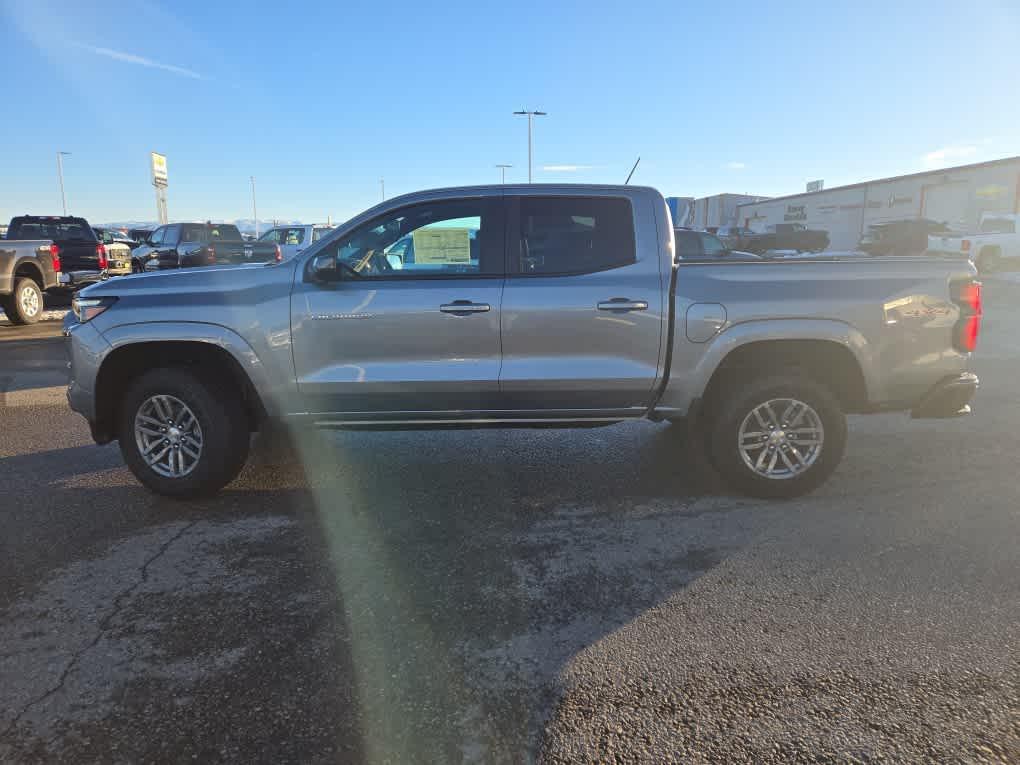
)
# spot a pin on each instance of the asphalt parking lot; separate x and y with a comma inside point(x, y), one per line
point(503, 596)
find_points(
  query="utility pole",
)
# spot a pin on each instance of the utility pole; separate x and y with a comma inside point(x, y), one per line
point(60, 174)
point(502, 172)
point(382, 187)
point(531, 115)
point(254, 211)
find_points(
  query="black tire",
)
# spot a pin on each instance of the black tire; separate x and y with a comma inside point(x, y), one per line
point(733, 406)
point(136, 266)
point(988, 261)
point(220, 416)
point(18, 306)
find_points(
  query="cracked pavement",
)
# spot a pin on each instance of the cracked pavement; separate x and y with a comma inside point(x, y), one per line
point(489, 596)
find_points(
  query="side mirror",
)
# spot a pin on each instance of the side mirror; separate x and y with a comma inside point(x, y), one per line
point(323, 268)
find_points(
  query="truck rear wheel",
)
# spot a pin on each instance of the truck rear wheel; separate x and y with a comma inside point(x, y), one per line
point(778, 438)
point(25, 303)
point(180, 434)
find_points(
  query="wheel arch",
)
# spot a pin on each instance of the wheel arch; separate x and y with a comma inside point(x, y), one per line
point(833, 352)
point(233, 365)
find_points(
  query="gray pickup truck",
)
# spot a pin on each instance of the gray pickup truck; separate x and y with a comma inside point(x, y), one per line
point(520, 306)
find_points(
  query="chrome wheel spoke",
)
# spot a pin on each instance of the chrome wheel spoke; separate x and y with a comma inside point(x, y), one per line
point(781, 447)
point(168, 436)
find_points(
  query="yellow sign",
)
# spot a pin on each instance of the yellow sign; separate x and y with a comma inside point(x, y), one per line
point(992, 191)
point(159, 177)
point(442, 246)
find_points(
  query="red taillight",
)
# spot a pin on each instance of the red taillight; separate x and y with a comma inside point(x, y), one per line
point(101, 254)
point(965, 245)
point(55, 256)
point(279, 254)
point(968, 327)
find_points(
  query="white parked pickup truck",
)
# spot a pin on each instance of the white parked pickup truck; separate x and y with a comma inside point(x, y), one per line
point(996, 241)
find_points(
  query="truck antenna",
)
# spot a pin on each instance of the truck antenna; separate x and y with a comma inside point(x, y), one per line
point(631, 172)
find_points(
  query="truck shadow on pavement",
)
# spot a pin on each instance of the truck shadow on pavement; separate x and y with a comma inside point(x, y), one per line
point(375, 596)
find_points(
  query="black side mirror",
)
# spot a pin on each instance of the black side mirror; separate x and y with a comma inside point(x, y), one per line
point(322, 268)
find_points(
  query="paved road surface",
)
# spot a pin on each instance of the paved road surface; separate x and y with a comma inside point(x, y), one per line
point(503, 596)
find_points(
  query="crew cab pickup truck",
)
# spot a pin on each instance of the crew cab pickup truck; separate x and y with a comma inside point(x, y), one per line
point(523, 306)
point(185, 245)
point(996, 244)
point(46, 254)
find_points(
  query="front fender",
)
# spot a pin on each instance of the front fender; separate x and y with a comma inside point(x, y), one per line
point(694, 363)
point(199, 332)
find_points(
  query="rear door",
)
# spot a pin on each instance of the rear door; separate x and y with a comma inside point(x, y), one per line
point(583, 308)
point(410, 328)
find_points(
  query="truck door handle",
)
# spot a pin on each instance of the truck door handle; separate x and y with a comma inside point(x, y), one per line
point(464, 307)
point(623, 304)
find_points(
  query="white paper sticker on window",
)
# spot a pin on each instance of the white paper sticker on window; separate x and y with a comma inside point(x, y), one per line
point(442, 246)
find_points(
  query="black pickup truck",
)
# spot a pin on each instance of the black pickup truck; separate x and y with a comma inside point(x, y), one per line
point(786, 236)
point(184, 245)
point(46, 254)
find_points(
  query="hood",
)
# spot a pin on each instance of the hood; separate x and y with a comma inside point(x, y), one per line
point(193, 281)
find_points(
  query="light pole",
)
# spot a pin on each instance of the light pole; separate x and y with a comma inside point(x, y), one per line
point(382, 187)
point(60, 175)
point(502, 172)
point(531, 115)
point(254, 211)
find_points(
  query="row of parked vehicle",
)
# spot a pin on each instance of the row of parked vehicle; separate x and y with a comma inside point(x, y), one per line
point(53, 254)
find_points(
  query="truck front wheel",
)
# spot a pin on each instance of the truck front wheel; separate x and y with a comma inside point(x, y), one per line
point(779, 437)
point(180, 434)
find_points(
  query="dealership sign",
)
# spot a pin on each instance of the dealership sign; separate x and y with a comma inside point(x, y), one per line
point(795, 212)
point(159, 177)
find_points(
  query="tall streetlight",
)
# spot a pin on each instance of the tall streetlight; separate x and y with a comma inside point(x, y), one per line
point(502, 172)
point(382, 188)
point(60, 175)
point(254, 211)
point(531, 115)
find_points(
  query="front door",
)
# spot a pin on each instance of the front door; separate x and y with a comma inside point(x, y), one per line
point(583, 312)
point(411, 322)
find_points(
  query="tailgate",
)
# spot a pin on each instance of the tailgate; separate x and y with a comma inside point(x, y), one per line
point(78, 255)
point(245, 252)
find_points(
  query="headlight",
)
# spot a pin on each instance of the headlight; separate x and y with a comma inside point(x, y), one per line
point(86, 309)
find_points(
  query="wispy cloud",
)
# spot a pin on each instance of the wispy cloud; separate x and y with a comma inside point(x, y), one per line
point(565, 168)
point(948, 155)
point(735, 165)
point(130, 58)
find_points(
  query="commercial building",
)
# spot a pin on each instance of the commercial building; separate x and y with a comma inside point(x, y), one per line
point(708, 212)
point(957, 196)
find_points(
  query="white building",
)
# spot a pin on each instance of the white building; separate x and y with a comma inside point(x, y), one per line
point(710, 212)
point(956, 195)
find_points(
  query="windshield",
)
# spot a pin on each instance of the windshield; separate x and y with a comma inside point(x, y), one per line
point(206, 233)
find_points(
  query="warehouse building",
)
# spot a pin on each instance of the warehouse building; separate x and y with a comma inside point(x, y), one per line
point(708, 212)
point(956, 196)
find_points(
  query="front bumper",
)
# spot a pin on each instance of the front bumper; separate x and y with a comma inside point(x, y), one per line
point(950, 397)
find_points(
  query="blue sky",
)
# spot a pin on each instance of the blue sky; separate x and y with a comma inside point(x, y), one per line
point(321, 100)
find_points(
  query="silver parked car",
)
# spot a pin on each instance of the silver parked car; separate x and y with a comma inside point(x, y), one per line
point(520, 306)
point(296, 238)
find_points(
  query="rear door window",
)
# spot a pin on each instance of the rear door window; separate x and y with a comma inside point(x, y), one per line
point(688, 244)
point(574, 235)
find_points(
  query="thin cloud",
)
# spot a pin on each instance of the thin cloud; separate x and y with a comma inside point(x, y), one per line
point(948, 155)
point(735, 165)
point(565, 168)
point(130, 58)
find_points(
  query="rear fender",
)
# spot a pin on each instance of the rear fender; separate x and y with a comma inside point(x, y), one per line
point(695, 363)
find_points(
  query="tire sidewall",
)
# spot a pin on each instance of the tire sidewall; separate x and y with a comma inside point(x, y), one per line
point(220, 416)
point(15, 314)
point(730, 414)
